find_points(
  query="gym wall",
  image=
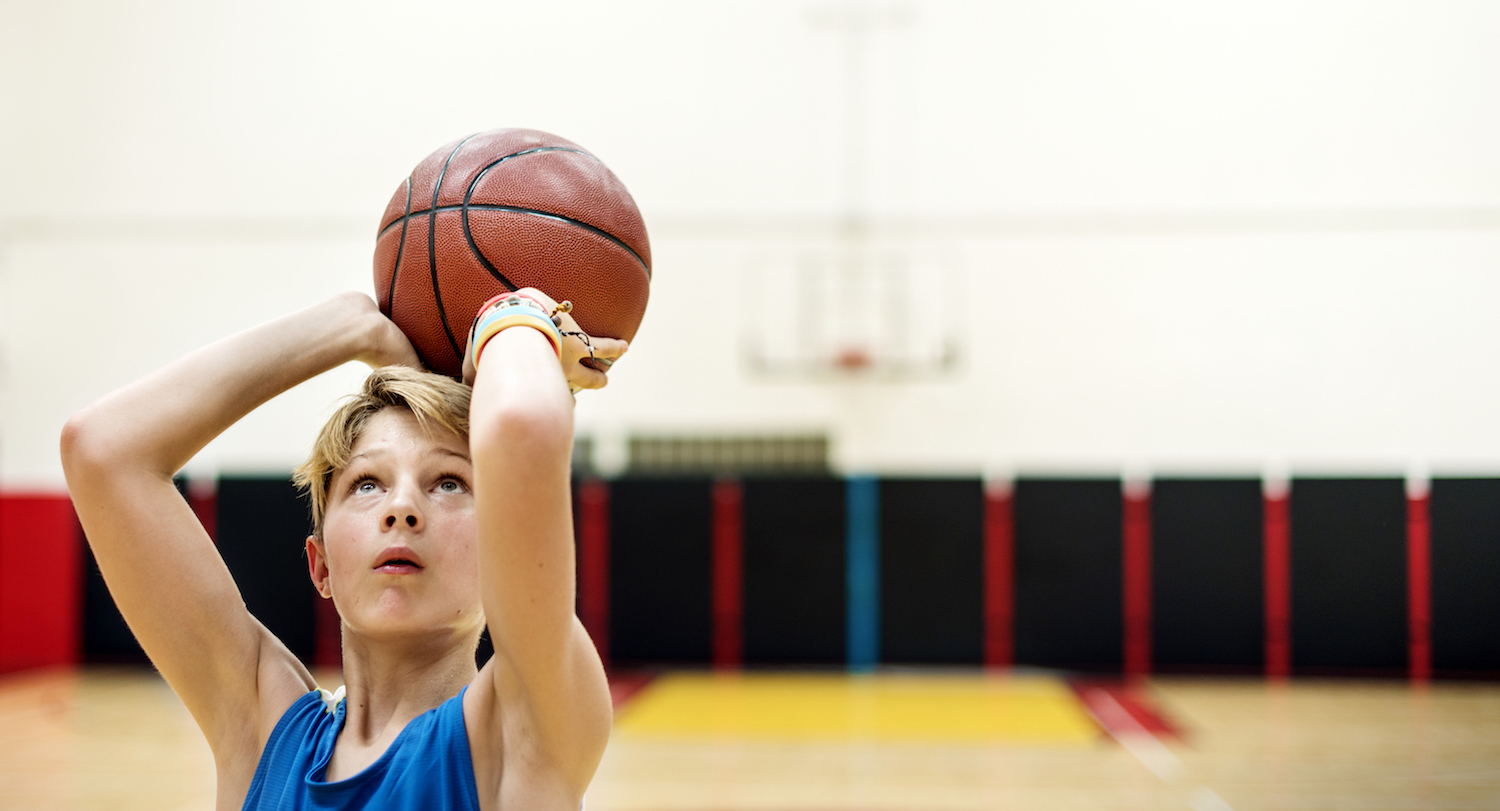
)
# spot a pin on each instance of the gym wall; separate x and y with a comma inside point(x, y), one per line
point(1173, 240)
point(1046, 587)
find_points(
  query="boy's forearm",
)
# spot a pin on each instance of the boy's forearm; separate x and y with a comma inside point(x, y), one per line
point(521, 422)
point(160, 421)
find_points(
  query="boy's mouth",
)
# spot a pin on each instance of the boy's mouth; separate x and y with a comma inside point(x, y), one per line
point(398, 560)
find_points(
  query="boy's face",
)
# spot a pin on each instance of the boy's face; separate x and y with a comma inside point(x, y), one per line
point(398, 552)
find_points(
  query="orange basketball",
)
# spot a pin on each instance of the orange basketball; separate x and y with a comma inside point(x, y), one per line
point(499, 211)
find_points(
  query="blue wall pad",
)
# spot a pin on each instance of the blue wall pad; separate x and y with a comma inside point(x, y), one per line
point(863, 515)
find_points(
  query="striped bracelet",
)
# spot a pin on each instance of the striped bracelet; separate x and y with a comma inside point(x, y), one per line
point(510, 310)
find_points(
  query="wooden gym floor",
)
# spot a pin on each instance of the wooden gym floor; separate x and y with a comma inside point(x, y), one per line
point(117, 738)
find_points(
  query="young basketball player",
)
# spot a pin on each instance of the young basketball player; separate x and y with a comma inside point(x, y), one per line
point(434, 514)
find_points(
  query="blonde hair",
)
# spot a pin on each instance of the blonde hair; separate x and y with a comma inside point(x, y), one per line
point(431, 398)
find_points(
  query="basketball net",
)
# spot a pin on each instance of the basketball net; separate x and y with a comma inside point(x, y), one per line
point(842, 312)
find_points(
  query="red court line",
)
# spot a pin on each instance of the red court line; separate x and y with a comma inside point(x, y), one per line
point(999, 577)
point(625, 686)
point(1278, 550)
point(1137, 586)
point(1096, 695)
point(41, 568)
point(728, 573)
point(1419, 586)
point(593, 562)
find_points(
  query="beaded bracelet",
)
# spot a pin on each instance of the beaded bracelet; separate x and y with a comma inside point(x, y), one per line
point(511, 310)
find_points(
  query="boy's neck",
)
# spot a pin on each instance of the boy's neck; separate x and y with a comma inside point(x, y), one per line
point(388, 685)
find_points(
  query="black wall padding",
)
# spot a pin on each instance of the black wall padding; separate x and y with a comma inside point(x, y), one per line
point(1465, 516)
point(263, 525)
point(1208, 586)
point(660, 535)
point(106, 637)
point(1348, 574)
point(1068, 540)
point(931, 571)
point(794, 586)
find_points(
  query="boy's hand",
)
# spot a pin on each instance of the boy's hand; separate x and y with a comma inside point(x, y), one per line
point(385, 343)
point(585, 359)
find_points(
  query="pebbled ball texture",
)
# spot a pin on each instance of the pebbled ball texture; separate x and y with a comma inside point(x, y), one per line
point(499, 211)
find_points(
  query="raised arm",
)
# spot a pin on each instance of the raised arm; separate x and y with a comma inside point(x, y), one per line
point(521, 437)
point(120, 455)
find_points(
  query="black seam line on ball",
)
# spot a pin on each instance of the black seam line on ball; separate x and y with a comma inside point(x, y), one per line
point(535, 213)
point(469, 195)
point(484, 260)
point(390, 296)
point(437, 292)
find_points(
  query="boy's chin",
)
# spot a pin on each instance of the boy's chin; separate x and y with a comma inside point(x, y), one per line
point(408, 626)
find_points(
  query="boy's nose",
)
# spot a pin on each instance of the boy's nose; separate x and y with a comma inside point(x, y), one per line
point(402, 508)
point(409, 517)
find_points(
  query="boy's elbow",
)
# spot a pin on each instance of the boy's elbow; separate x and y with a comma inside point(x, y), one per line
point(85, 447)
point(77, 446)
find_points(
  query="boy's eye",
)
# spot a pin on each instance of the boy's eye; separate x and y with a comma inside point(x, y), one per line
point(451, 486)
point(364, 486)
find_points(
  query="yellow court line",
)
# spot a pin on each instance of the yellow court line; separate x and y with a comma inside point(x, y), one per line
point(883, 707)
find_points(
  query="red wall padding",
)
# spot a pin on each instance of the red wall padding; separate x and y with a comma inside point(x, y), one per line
point(728, 573)
point(593, 562)
point(999, 577)
point(40, 581)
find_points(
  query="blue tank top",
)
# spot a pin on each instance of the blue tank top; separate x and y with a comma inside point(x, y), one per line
point(427, 766)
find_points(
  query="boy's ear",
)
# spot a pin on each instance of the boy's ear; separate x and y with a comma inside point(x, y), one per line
point(317, 566)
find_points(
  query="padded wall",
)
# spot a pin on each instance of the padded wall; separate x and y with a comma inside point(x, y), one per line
point(1466, 574)
point(1068, 571)
point(1348, 567)
point(1348, 574)
point(107, 639)
point(263, 525)
point(659, 580)
point(1207, 559)
point(794, 578)
point(40, 564)
point(931, 571)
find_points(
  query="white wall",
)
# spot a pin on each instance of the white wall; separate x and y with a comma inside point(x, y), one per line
point(1167, 236)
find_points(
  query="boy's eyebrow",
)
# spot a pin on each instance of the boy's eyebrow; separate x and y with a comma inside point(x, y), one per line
point(367, 454)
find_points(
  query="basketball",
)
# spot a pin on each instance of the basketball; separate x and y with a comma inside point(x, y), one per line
point(502, 210)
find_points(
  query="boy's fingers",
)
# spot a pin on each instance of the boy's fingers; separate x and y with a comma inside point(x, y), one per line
point(587, 378)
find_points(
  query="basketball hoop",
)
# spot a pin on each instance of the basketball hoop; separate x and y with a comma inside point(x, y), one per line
point(852, 359)
point(846, 303)
point(829, 312)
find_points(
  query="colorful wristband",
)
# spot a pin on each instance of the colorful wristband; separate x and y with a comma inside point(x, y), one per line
point(513, 294)
point(511, 310)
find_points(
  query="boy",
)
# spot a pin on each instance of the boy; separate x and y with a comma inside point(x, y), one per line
point(435, 513)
